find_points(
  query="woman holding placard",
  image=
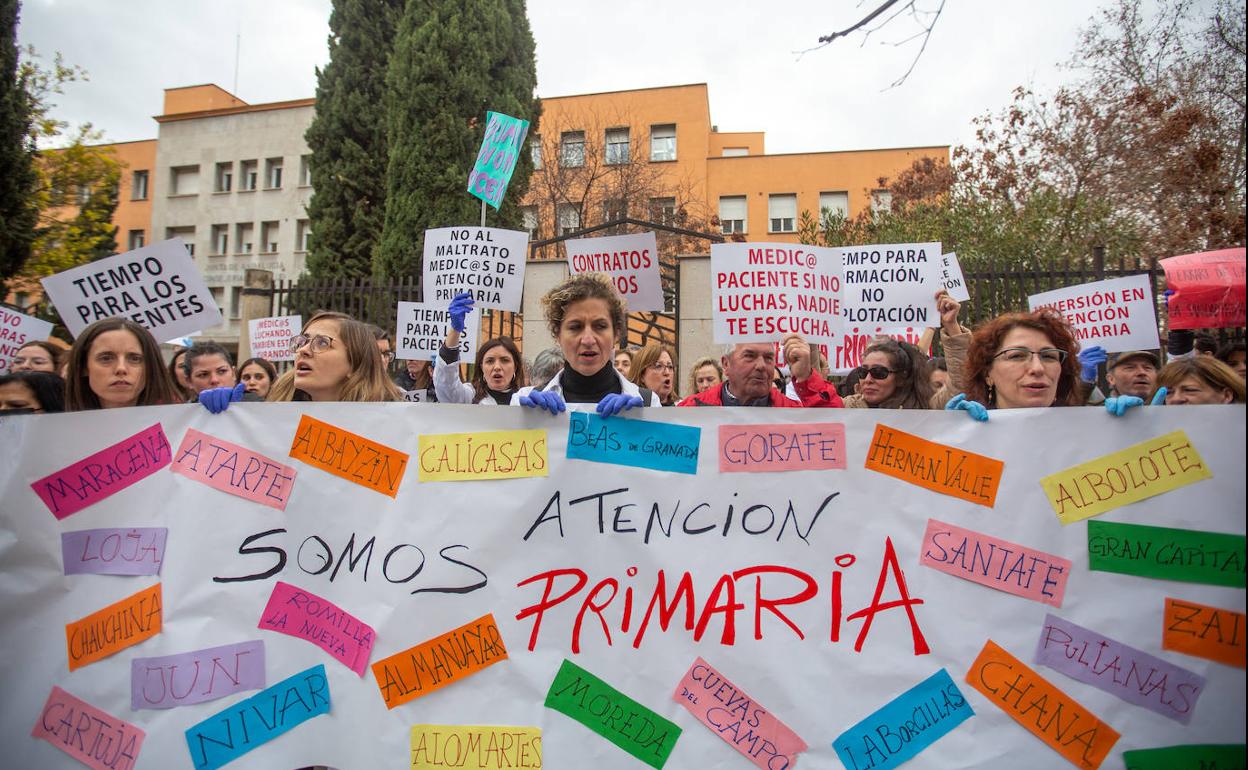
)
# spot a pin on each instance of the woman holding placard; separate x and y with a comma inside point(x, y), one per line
point(115, 362)
point(497, 375)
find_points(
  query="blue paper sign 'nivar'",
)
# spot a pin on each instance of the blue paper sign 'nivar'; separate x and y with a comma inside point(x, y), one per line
point(905, 726)
point(639, 443)
point(231, 733)
point(504, 136)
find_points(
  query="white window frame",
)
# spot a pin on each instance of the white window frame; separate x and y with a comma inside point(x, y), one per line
point(535, 151)
point(245, 237)
point(663, 211)
point(223, 181)
point(305, 170)
point(568, 216)
point(273, 173)
point(248, 175)
point(829, 194)
point(730, 224)
point(532, 223)
point(663, 142)
point(303, 234)
point(138, 185)
point(881, 201)
point(220, 240)
point(270, 232)
point(778, 206)
point(571, 152)
point(616, 146)
point(136, 239)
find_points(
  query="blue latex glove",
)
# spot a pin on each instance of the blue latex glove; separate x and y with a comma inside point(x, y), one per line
point(460, 307)
point(975, 409)
point(217, 400)
point(1167, 294)
point(544, 399)
point(1159, 398)
point(1089, 360)
point(614, 403)
point(1118, 405)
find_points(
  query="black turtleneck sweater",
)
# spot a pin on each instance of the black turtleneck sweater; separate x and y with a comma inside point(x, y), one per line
point(579, 389)
point(500, 396)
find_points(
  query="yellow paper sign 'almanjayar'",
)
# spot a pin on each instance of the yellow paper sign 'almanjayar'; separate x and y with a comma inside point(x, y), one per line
point(476, 747)
point(1138, 472)
point(501, 454)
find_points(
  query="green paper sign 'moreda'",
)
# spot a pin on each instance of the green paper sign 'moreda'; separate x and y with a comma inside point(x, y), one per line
point(1193, 757)
point(612, 714)
point(1189, 555)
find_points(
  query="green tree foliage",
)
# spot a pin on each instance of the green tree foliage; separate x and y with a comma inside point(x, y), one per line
point(18, 179)
point(453, 61)
point(348, 139)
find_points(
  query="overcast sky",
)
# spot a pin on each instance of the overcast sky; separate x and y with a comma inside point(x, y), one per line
point(830, 99)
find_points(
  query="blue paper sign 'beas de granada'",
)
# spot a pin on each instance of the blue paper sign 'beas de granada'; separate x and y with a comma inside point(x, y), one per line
point(905, 726)
point(232, 732)
point(637, 443)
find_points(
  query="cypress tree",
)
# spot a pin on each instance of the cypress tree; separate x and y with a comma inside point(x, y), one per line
point(453, 60)
point(348, 139)
point(18, 179)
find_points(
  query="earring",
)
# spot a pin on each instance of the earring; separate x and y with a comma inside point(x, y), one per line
point(992, 393)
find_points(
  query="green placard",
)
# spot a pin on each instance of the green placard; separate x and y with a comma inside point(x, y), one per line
point(1195, 757)
point(612, 714)
point(1188, 555)
point(496, 160)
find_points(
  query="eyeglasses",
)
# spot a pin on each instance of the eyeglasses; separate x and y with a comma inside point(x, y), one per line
point(319, 344)
point(37, 361)
point(877, 372)
point(387, 356)
point(662, 367)
point(1022, 356)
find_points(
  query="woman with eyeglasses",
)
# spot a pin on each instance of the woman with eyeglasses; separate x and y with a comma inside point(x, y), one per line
point(115, 362)
point(654, 367)
point(36, 356)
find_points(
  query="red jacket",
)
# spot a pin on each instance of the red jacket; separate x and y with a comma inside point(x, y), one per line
point(815, 391)
point(714, 397)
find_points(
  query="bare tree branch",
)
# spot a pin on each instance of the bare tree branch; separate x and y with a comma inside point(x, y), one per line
point(864, 25)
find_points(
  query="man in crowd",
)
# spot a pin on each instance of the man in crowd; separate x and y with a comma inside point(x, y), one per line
point(1132, 373)
point(749, 372)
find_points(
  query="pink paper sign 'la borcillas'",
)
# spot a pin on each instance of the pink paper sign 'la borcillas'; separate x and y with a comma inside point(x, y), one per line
point(760, 448)
point(234, 469)
point(303, 615)
point(110, 470)
point(726, 710)
point(93, 737)
point(1000, 564)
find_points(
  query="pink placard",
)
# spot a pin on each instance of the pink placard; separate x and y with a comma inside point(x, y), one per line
point(297, 613)
point(736, 717)
point(234, 469)
point(1000, 564)
point(110, 470)
point(82, 731)
point(816, 446)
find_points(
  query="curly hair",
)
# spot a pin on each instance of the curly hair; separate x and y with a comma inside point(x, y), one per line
point(986, 343)
point(579, 287)
point(912, 383)
point(1207, 369)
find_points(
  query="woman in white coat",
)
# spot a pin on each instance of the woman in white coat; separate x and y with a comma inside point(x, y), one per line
point(498, 372)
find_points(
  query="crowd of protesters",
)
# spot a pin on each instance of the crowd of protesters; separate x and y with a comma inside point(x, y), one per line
point(1015, 360)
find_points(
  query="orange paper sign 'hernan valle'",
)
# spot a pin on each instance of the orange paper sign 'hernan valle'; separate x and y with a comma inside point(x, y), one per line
point(1204, 631)
point(436, 663)
point(114, 628)
point(1050, 714)
point(940, 468)
point(349, 456)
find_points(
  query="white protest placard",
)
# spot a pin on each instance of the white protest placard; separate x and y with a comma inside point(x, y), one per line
point(761, 292)
point(156, 286)
point(270, 337)
point(632, 262)
point(891, 286)
point(487, 261)
point(1117, 314)
point(16, 329)
point(951, 277)
point(420, 328)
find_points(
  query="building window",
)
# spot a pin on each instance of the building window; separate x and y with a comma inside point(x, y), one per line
point(84, 194)
point(273, 174)
point(184, 180)
point(305, 170)
point(782, 213)
point(836, 203)
point(236, 302)
point(617, 146)
point(220, 240)
point(136, 240)
point(218, 295)
point(138, 186)
point(732, 214)
point(529, 213)
point(187, 234)
point(881, 201)
point(663, 211)
point(249, 175)
point(736, 152)
point(269, 232)
point(614, 209)
point(572, 149)
point(303, 234)
point(244, 236)
point(535, 151)
point(224, 178)
point(569, 218)
point(663, 142)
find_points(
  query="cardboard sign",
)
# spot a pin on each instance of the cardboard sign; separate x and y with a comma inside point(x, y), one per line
point(723, 706)
point(133, 551)
point(1188, 555)
point(420, 328)
point(1207, 632)
point(1119, 669)
point(93, 737)
point(348, 456)
point(444, 659)
point(104, 473)
point(761, 292)
point(1136, 473)
point(891, 286)
point(486, 261)
point(307, 616)
point(496, 160)
point(634, 728)
point(770, 448)
point(905, 725)
point(951, 277)
point(659, 446)
point(1032, 701)
point(944, 469)
point(505, 454)
point(122, 624)
point(16, 329)
point(156, 286)
point(999, 564)
point(632, 263)
point(1204, 756)
point(1208, 289)
point(234, 469)
point(194, 677)
point(475, 747)
point(270, 337)
point(1117, 314)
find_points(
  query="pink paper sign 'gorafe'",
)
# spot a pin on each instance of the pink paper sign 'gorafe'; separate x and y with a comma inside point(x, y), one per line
point(110, 470)
point(762, 448)
point(307, 616)
point(1000, 564)
point(234, 469)
point(91, 736)
point(736, 717)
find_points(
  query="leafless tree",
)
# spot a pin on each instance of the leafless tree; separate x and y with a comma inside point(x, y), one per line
point(922, 21)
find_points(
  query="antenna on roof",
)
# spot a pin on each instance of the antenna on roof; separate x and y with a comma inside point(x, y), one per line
point(238, 44)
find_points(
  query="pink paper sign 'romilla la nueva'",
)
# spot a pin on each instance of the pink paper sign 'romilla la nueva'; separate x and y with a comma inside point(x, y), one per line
point(1000, 564)
point(736, 717)
point(110, 470)
point(234, 469)
point(307, 616)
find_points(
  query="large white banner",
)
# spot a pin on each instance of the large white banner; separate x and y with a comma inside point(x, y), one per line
point(316, 547)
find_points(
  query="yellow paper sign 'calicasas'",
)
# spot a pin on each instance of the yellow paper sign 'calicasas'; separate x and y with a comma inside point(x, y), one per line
point(499, 454)
point(1138, 472)
point(476, 747)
